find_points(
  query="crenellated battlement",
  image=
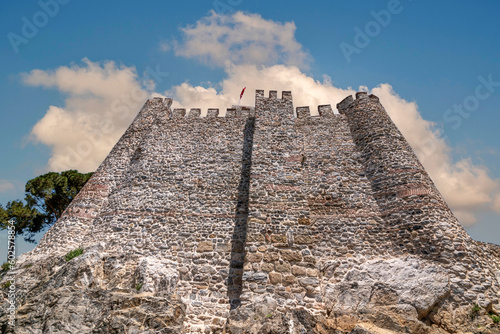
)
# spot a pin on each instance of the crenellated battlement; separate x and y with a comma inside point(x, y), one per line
point(361, 97)
point(158, 104)
point(201, 221)
point(324, 110)
point(271, 102)
point(273, 94)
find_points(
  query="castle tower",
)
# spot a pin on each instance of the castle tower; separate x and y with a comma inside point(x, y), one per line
point(266, 218)
point(76, 221)
point(411, 206)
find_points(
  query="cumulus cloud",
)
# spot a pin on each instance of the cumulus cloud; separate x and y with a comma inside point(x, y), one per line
point(467, 187)
point(497, 203)
point(240, 39)
point(6, 186)
point(306, 90)
point(102, 99)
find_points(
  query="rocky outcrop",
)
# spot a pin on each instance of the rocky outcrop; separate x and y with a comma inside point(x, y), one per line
point(95, 293)
point(408, 284)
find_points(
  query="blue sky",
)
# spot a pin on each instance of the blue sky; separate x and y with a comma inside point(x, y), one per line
point(426, 61)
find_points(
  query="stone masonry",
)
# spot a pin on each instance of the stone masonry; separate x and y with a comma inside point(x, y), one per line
point(266, 220)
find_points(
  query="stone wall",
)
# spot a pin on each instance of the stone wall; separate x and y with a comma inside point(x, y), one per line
point(267, 215)
point(75, 222)
point(416, 217)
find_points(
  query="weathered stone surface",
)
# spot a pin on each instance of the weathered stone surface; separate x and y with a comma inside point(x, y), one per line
point(309, 281)
point(298, 271)
point(290, 256)
point(303, 239)
point(259, 222)
point(267, 267)
point(271, 256)
point(274, 278)
point(289, 280)
point(389, 282)
point(205, 246)
point(282, 267)
point(254, 257)
point(278, 238)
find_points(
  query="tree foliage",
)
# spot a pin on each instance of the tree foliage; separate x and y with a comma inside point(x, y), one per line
point(46, 198)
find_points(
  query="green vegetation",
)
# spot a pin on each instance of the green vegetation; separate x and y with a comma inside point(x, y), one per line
point(74, 253)
point(475, 311)
point(138, 286)
point(7, 284)
point(269, 315)
point(46, 198)
point(6, 266)
point(495, 318)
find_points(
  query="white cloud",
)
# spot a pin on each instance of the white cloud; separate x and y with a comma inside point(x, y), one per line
point(306, 90)
point(102, 99)
point(467, 187)
point(241, 39)
point(497, 203)
point(6, 186)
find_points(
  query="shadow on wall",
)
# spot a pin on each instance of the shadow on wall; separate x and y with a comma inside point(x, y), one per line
point(238, 241)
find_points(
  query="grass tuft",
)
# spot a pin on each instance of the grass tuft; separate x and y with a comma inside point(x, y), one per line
point(495, 318)
point(74, 253)
point(475, 311)
point(6, 266)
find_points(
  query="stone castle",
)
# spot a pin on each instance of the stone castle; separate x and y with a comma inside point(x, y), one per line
point(267, 220)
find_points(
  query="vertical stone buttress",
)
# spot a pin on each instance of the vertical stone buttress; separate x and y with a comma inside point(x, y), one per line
point(278, 256)
point(73, 226)
point(417, 217)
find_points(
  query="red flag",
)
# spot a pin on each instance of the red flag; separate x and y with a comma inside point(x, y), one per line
point(243, 91)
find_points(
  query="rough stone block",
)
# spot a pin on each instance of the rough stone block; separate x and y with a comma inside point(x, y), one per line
point(278, 238)
point(254, 257)
point(267, 267)
point(289, 280)
point(303, 112)
point(275, 278)
point(298, 271)
point(325, 110)
point(256, 238)
point(312, 272)
point(282, 267)
point(212, 112)
point(194, 113)
point(308, 281)
point(290, 256)
point(303, 239)
point(205, 246)
point(271, 256)
point(304, 221)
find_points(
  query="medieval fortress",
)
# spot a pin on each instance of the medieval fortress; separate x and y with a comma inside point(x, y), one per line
point(269, 217)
